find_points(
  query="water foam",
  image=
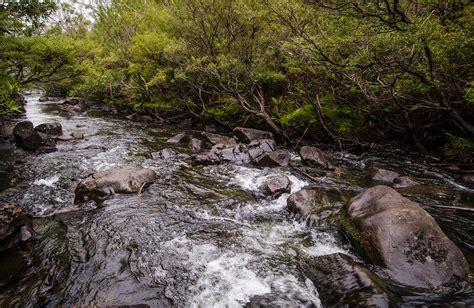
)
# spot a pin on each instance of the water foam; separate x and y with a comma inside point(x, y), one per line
point(50, 181)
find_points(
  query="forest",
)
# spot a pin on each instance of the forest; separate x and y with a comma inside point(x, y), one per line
point(236, 153)
point(343, 74)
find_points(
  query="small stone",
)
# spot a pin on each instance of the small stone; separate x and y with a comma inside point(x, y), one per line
point(179, 138)
point(278, 185)
point(382, 175)
point(404, 181)
point(315, 157)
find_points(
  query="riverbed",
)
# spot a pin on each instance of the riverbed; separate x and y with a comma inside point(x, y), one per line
point(201, 236)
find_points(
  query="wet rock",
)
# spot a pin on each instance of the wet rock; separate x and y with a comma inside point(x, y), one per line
point(22, 127)
point(196, 145)
point(278, 185)
point(403, 182)
point(258, 147)
point(76, 135)
point(124, 180)
point(247, 135)
point(72, 101)
point(49, 99)
point(395, 233)
point(164, 154)
point(315, 157)
point(304, 201)
point(26, 137)
point(46, 140)
point(52, 129)
point(342, 282)
point(179, 138)
point(279, 158)
point(315, 205)
point(216, 139)
point(14, 227)
point(382, 175)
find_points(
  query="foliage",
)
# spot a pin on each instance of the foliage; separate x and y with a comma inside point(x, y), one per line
point(348, 70)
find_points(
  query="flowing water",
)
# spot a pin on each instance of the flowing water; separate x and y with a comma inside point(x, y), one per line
point(199, 237)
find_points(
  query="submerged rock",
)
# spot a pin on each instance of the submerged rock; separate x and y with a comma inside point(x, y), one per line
point(247, 135)
point(278, 185)
point(395, 233)
point(403, 182)
point(123, 180)
point(382, 175)
point(279, 158)
point(315, 157)
point(342, 282)
point(75, 135)
point(15, 227)
point(52, 129)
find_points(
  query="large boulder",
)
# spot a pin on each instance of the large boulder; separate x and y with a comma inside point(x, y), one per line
point(123, 180)
point(21, 127)
point(53, 129)
point(280, 158)
point(315, 157)
point(216, 139)
point(342, 282)
point(278, 185)
point(382, 176)
point(247, 135)
point(26, 137)
point(15, 227)
point(397, 234)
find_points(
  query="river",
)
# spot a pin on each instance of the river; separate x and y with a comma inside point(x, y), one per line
point(198, 237)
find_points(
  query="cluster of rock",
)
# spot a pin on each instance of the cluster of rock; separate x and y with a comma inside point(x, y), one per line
point(387, 230)
point(41, 138)
point(391, 178)
point(246, 146)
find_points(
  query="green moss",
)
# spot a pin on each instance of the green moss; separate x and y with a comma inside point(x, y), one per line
point(348, 227)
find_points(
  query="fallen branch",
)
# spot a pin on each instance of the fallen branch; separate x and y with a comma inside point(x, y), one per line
point(456, 208)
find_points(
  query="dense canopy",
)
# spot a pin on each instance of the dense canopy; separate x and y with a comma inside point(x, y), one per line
point(344, 73)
